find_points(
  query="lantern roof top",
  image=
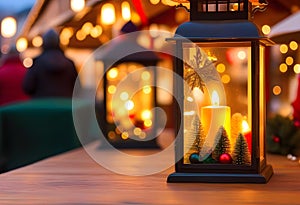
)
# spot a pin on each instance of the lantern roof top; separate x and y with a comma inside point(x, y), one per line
point(218, 31)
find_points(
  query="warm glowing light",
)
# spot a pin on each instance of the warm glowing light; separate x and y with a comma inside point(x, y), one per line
point(129, 105)
point(126, 13)
point(221, 68)
point(293, 45)
point(297, 68)
point(241, 55)
point(148, 123)
point(111, 89)
point(147, 89)
point(154, 1)
point(80, 35)
point(146, 114)
point(108, 15)
point(64, 41)
point(87, 27)
point(289, 60)
point(154, 30)
point(283, 67)
point(215, 100)
point(67, 32)
point(8, 27)
point(65, 35)
point(111, 135)
point(190, 99)
point(113, 73)
point(37, 41)
point(276, 90)
point(225, 78)
point(125, 135)
point(235, 6)
point(266, 29)
point(131, 67)
point(27, 62)
point(77, 5)
point(22, 44)
point(146, 75)
point(135, 18)
point(124, 96)
point(142, 135)
point(284, 48)
point(181, 1)
point(180, 16)
point(169, 2)
point(245, 126)
point(137, 131)
point(211, 57)
point(96, 31)
point(144, 40)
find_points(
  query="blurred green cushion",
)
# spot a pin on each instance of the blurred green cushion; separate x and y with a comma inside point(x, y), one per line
point(36, 129)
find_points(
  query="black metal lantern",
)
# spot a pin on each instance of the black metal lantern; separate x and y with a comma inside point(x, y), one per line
point(128, 120)
point(221, 128)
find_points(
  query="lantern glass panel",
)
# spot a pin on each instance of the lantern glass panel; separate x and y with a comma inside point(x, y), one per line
point(130, 100)
point(217, 103)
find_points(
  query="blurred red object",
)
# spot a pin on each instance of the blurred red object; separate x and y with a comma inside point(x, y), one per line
point(248, 137)
point(296, 104)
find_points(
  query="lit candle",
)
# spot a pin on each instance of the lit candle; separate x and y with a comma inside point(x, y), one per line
point(212, 118)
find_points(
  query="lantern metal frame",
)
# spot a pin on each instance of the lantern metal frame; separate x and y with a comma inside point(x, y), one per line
point(217, 27)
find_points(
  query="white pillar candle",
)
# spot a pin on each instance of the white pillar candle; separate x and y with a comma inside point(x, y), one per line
point(212, 118)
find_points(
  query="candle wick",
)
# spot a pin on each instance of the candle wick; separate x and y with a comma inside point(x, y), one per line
point(215, 104)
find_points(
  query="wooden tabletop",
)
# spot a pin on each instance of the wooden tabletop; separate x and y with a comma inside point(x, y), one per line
point(75, 178)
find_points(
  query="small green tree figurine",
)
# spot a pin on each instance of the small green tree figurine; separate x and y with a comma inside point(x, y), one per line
point(222, 145)
point(197, 134)
point(241, 154)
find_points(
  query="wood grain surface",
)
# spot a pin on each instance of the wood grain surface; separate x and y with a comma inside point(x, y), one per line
point(75, 178)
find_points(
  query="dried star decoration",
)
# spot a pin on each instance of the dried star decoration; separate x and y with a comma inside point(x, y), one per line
point(199, 70)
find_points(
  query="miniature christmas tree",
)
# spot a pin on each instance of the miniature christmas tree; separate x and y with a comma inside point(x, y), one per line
point(241, 154)
point(222, 145)
point(198, 136)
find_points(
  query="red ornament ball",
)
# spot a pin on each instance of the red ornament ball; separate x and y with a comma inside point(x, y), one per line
point(297, 123)
point(276, 139)
point(225, 159)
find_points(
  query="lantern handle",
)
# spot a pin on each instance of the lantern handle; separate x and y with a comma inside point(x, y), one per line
point(261, 6)
point(182, 6)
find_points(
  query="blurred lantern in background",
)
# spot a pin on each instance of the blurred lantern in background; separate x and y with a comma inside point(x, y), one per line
point(129, 90)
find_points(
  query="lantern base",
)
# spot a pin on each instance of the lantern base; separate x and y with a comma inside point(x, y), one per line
point(130, 144)
point(260, 178)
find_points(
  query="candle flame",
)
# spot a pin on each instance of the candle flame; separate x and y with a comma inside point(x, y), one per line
point(215, 98)
point(245, 126)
